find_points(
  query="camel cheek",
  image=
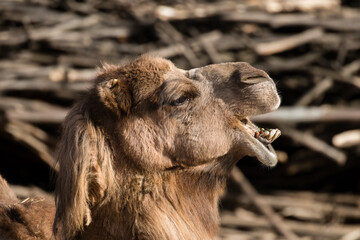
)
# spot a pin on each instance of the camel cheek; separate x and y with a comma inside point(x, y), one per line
point(202, 148)
point(144, 145)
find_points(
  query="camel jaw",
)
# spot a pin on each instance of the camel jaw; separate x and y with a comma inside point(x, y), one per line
point(259, 141)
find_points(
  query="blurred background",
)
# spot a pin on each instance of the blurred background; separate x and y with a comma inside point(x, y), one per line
point(50, 50)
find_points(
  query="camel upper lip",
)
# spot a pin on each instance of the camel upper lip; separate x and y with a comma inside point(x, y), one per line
point(260, 141)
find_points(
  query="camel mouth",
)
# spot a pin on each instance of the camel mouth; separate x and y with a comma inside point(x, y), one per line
point(260, 140)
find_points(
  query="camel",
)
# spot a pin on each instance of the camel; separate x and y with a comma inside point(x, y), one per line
point(145, 154)
point(26, 220)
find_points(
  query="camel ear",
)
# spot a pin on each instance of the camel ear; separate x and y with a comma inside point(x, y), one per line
point(115, 94)
point(85, 172)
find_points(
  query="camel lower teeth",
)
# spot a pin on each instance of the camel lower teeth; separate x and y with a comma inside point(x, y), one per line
point(267, 135)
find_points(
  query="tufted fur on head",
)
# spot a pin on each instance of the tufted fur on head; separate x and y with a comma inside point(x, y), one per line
point(145, 153)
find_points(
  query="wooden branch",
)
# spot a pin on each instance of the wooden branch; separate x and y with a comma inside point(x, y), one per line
point(169, 13)
point(32, 111)
point(325, 231)
point(339, 76)
point(314, 143)
point(338, 198)
point(13, 37)
point(296, 19)
point(62, 74)
point(13, 11)
point(211, 50)
point(319, 89)
point(287, 43)
point(234, 11)
point(353, 235)
point(317, 209)
point(347, 139)
point(277, 64)
point(227, 233)
point(275, 6)
point(23, 192)
point(213, 37)
point(350, 69)
point(51, 116)
point(274, 219)
point(44, 85)
point(170, 35)
point(310, 114)
point(29, 135)
point(23, 104)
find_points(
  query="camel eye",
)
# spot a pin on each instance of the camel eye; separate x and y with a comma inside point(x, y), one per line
point(180, 101)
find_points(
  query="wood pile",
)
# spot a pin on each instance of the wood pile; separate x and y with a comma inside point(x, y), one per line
point(50, 49)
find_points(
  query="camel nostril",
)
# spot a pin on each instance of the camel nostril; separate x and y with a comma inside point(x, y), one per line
point(249, 77)
point(254, 79)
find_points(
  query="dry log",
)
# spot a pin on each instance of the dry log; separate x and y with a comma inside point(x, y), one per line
point(33, 111)
point(170, 35)
point(44, 85)
point(319, 89)
point(314, 143)
point(310, 114)
point(274, 219)
point(227, 233)
point(339, 76)
point(277, 64)
point(169, 13)
point(338, 199)
point(51, 116)
point(354, 235)
point(23, 104)
point(13, 11)
point(29, 135)
point(296, 19)
point(318, 210)
point(234, 11)
point(62, 74)
point(347, 139)
point(293, 5)
point(287, 43)
point(213, 37)
point(13, 37)
point(350, 69)
point(23, 192)
point(327, 231)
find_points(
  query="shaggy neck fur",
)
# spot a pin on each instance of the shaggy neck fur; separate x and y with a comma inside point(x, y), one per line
point(167, 205)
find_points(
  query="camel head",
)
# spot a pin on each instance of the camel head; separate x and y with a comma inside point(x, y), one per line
point(168, 117)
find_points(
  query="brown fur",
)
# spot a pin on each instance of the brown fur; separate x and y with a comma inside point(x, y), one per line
point(146, 153)
point(30, 219)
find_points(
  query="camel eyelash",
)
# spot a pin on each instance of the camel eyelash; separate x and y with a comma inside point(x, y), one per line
point(180, 101)
point(184, 98)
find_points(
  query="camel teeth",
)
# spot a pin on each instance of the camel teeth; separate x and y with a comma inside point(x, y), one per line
point(277, 134)
point(272, 134)
point(265, 133)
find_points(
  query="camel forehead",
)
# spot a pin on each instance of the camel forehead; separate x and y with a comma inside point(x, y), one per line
point(142, 75)
point(146, 74)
